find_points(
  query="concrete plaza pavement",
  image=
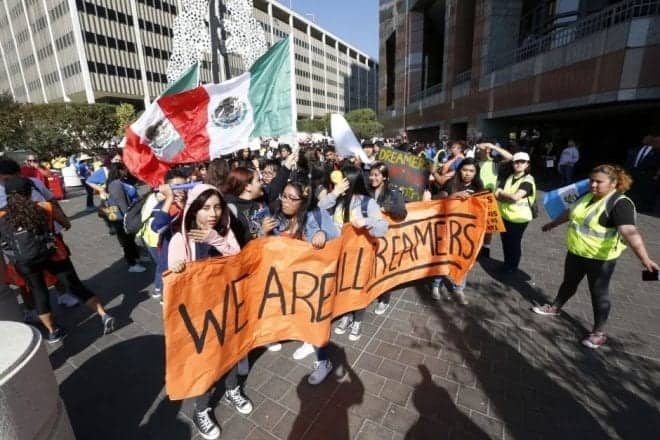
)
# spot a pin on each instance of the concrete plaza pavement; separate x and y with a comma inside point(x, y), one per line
point(424, 370)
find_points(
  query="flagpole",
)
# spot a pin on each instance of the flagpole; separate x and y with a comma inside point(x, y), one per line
point(215, 23)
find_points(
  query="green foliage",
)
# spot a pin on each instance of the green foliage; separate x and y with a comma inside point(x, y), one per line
point(56, 128)
point(125, 117)
point(11, 133)
point(317, 125)
point(364, 123)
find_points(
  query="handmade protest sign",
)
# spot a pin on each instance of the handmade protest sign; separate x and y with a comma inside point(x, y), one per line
point(494, 222)
point(278, 288)
point(407, 171)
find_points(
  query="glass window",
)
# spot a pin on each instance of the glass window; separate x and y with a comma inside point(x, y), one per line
point(130, 72)
point(91, 66)
point(112, 15)
point(121, 44)
point(100, 11)
point(112, 70)
point(121, 17)
point(121, 71)
point(147, 51)
point(101, 41)
point(112, 43)
point(100, 68)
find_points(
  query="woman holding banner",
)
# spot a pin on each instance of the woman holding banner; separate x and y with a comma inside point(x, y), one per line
point(205, 232)
point(291, 216)
point(516, 194)
point(598, 222)
point(349, 202)
point(465, 183)
point(392, 203)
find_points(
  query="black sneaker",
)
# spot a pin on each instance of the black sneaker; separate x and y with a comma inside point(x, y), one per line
point(235, 399)
point(108, 324)
point(206, 425)
point(484, 252)
point(56, 335)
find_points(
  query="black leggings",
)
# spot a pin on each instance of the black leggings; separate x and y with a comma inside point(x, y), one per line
point(127, 242)
point(598, 274)
point(230, 380)
point(512, 243)
point(33, 274)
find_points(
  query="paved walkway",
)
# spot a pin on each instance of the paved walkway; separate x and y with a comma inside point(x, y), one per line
point(424, 370)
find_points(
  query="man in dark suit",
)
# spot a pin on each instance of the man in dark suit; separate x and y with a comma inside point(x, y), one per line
point(643, 163)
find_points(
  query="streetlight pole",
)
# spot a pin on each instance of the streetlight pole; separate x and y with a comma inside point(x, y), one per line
point(217, 12)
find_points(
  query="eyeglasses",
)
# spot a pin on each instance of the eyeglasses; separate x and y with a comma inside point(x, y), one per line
point(519, 161)
point(32, 160)
point(289, 198)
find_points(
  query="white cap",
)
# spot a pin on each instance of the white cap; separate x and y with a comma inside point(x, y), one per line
point(521, 155)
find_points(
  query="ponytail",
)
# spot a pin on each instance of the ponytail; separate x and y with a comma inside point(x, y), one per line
point(615, 172)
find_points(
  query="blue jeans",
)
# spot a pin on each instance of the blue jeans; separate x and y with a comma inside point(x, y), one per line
point(158, 273)
point(438, 281)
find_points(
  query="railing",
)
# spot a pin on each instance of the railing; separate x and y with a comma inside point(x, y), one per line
point(430, 91)
point(592, 24)
point(462, 77)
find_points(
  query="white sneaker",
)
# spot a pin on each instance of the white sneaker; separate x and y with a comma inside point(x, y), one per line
point(321, 371)
point(274, 347)
point(303, 351)
point(381, 308)
point(136, 268)
point(244, 366)
point(435, 293)
point(67, 300)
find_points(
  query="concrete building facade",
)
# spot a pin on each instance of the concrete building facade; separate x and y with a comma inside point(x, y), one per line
point(117, 51)
point(465, 68)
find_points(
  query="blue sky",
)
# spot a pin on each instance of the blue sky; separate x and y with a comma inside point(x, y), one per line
point(354, 21)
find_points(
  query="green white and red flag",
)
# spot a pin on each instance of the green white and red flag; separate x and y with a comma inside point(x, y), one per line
point(212, 120)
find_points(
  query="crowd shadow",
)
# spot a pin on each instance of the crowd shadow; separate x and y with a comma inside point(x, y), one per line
point(541, 385)
point(439, 418)
point(330, 400)
point(117, 394)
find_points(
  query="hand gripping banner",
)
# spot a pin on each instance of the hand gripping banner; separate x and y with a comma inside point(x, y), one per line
point(278, 288)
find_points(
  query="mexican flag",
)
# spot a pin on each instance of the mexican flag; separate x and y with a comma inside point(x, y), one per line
point(214, 119)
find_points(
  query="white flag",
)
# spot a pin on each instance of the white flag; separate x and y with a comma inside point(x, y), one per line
point(346, 144)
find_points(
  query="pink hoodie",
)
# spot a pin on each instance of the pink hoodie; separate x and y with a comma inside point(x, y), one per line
point(182, 248)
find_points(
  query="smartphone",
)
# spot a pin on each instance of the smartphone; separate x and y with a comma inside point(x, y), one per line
point(650, 275)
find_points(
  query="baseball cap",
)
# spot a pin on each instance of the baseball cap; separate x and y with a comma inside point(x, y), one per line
point(521, 155)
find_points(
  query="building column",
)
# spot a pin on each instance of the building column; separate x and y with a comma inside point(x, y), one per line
point(4, 62)
point(140, 53)
point(58, 67)
point(18, 55)
point(270, 22)
point(337, 78)
point(310, 66)
point(325, 75)
point(80, 49)
point(34, 51)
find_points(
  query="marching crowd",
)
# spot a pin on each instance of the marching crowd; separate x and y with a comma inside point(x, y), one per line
point(215, 208)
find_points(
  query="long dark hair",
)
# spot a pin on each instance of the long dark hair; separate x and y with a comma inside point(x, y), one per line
point(356, 186)
point(22, 212)
point(115, 172)
point(190, 221)
point(456, 183)
point(301, 216)
point(237, 180)
point(385, 172)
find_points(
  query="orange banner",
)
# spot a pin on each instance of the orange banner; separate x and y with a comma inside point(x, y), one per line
point(278, 288)
point(494, 223)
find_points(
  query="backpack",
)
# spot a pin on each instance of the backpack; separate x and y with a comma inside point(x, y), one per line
point(24, 246)
point(133, 216)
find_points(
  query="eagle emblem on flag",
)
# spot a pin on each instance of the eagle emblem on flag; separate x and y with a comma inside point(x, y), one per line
point(230, 112)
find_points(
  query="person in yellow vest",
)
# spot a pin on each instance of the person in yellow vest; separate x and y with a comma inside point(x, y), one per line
point(488, 171)
point(516, 194)
point(599, 223)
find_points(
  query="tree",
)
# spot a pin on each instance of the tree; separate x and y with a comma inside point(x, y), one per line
point(47, 130)
point(317, 125)
point(94, 124)
point(12, 132)
point(364, 123)
point(125, 117)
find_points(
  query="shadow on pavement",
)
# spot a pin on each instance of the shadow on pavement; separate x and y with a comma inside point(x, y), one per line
point(435, 405)
point(331, 400)
point(117, 394)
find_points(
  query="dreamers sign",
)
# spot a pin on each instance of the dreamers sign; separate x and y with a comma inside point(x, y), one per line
point(278, 288)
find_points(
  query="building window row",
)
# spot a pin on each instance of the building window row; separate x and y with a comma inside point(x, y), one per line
point(65, 40)
point(300, 43)
point(317, 64)
point(280, 33)
point(23, 36)
point(332, 57)
point(45, 52)
point(319, 92)
point(331, 82)
point(71, 69)
point(14, 68)
point(156, 53)
point(102, 12)
point(302, 73)
point(332, 95)
point(302, 87)
point(157, 77)
point(39, 24)
point(59, 10)
point(158, 4)
point(316, 50)
point(28, 60)
point(331, 69)
point(302, 58)
point(319, 104)
point(16, 10)
point(111, 42)
point(306, 102)
point(155, 28)
point(109, 69)
point(51, 78)
point(33, 85)
point(317, 78)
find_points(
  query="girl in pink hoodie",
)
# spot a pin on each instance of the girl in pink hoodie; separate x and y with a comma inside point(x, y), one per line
point(205, 232)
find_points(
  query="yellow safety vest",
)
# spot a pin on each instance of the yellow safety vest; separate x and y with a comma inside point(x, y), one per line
point(488, 174)
point(520, 211)
point(149, 237)
point(586, 237)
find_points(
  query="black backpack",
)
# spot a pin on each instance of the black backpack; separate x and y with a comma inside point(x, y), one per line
point(133, 216)
point(26, 247)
